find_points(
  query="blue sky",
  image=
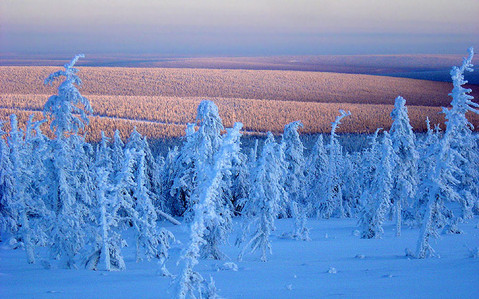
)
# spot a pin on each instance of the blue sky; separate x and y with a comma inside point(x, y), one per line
point(247, 27)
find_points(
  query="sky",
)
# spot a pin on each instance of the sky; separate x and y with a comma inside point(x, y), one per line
point(238, 27)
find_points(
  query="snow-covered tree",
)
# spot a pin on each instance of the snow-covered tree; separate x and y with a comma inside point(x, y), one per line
point(405, 159)
point(67, 226)
point(352, 177)
point(144, 220)
point(7, 186)
point(139, 143)
point(240, 184)
point(295, 179)
point(28, 201)
point(69, 172)
point(36, 146)
point(442, 180)
point(332, 204)
point(266, 195)
point(378, 196)
point(106, 238)
point(428, 150)
point(63, 107)
point(207, 220)
point(462, 139)
point(370, 160)
point(21, 203)
point(166, 175)
point(199, 149)
point(82, 170)
point(117, 154)
point(316, 174)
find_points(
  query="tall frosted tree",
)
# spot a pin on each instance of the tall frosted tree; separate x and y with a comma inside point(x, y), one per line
point(462, 139)
point(36, 146)
point(405, 175)
point(295, 179)
point(67, 202)
point(117, 154)
point(7, 186)
point(266, 195)
point(377, 198)
point(352, 175)
point(106, 237)
point(240, 184)
point(441, 182)
point(333, 202)
point(22, 203)
point(199, 149)
point(316, 174)
point(64, 107)
point(166, 176)
point(428, 151)
point(207, 219)
point(145, 217)
point(139, 143)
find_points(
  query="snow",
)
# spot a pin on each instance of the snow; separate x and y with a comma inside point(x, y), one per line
point(374, 268)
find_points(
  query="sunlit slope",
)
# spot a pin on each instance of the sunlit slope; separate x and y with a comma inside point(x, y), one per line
point(262, 100)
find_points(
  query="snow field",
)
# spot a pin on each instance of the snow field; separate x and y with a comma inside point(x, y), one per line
point(366, 268)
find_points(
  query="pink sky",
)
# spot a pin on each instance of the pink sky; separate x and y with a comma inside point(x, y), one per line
point(247, 27)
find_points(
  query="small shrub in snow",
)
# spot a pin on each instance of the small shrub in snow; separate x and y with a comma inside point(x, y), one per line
point(332, 270)
point(228, 266)
point(474, 253)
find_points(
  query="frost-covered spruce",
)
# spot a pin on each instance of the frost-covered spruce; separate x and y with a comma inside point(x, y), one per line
point(295, 179)
point(462, 139)
point(122, 183)
point(240, 183)
point(183, 175)
point(378, 196)
point(117, 155)
point(428, 151)
point(205, 141)
point(36, 144)
point(217, 231)
point(332, 204)
point(206, 217)
point(151, 242)
point(23, 201)
point(63, 107)
point(82, 169)
point(106, 237)
point(441, 182)
point(67, 201)
point(317, 172)
point(265, 199)
point(405, 159)
point(7, 187)
point(352, 175)
point(139, 143)
point(67, 233)
point(370, 160)
point(144, 220)
point(166, 176)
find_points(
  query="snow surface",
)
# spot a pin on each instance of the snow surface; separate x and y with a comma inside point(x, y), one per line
point(336, 263)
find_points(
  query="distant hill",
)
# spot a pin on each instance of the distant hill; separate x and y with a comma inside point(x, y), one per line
point(422, 66)
point(161, 101)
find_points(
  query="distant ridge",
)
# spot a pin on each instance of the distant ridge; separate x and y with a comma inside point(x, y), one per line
point(433, 67)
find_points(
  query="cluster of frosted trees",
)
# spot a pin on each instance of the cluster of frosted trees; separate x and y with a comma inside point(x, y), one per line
point(77, 199)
